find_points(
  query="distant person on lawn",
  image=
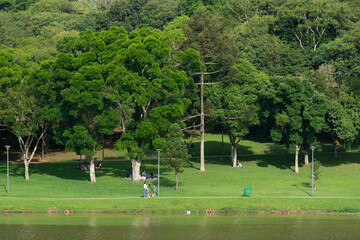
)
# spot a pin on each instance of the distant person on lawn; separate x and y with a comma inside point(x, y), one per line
point(153, 191)
point(239, 165)
point(145, 189)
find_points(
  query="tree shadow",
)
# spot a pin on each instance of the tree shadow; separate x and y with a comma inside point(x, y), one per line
point(219, 160)
point(165, 179)
point(306, 184)
point(192, 161)
point(301, 189)
point(286, 161)
point(4, 187)
point(328, 159)
point(70, 171)
point(13, 157)
point(258, 137)
point(217, 148)
point(279, 161)
point(276, 149)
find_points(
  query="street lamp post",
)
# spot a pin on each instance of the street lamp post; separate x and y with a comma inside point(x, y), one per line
point(158, 150)
point(102, 148)
point(312, 171)
point(7, 166)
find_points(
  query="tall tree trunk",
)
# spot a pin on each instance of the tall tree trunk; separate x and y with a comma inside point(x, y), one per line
point(234, 153)
point(25, 147)
point(177, 181)
point(26, 163)
point(297, 150)
point(92, 170)
point(202, 126)
point(234, 144)
point(306, 158)
point(136, 163)
point(43, 149)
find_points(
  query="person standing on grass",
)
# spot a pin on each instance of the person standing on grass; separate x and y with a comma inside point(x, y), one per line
point(145, 189)
point(153, 191)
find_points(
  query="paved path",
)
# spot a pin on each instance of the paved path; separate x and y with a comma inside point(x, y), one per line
point(103, 198)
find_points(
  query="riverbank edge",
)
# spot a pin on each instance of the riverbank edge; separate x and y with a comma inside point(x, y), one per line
point(207, 206)
point(208, 213)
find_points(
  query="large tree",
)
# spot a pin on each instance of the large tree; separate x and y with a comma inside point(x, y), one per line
point(85, 112)
point(309, 22)
point(75, 82)
point(22, 112)
point(207, 35)
point(296, 112)
point(342, 120)
point(267, 52)
point(236, 103)
point(147, 87)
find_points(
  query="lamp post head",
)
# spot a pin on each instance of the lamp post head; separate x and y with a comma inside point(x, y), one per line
point(7, 147)
point(158, 150)
point(312, 148)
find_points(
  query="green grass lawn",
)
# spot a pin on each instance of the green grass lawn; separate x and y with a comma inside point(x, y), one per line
point(271, 177)
point(216, 144)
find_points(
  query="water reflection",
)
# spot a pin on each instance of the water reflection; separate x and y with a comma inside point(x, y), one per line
point(109, 226)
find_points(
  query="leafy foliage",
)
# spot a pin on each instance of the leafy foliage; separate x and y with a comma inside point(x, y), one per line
point(345, 53)
point(317, 171)
point(175, 154)
point(111, 62)
point(308, 21)
point(297, 110)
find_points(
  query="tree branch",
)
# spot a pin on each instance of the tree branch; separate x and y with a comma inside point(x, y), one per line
point(207, 73)
point(211, 83)
point(188, 118)
point(37, 144)
point(232, 10)
point(194, 126)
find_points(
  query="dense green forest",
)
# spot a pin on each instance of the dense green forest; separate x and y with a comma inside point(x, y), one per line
point(72, 71)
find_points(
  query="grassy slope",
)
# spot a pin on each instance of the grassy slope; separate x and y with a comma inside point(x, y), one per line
point(271, 176)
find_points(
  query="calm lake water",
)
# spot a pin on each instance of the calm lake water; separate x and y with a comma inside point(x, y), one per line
point(139, 227)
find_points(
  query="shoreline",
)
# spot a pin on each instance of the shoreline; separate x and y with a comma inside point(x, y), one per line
point(176, 205)
point(207, 213)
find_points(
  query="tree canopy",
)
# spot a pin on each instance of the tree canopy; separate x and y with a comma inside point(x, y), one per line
point(75, 70)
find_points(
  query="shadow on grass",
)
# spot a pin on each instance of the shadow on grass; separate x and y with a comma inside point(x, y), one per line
point(277, 149)
point(217, 148)
point(279, 161)
point(118, 169)
point(165, 179)
point(286, 161)
point(69, 170)
point(110, 169)
point(306, 184)
point(4, 186)
point(301, 189)
point(12, 156)
point(328, 159)
point(210, 160)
